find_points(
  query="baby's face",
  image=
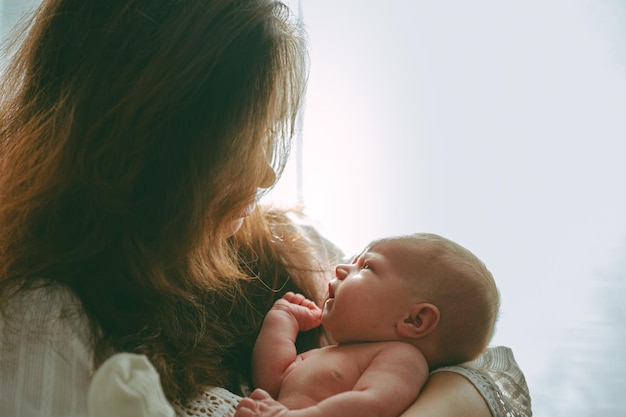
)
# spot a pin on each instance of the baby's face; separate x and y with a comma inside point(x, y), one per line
point(369, 296)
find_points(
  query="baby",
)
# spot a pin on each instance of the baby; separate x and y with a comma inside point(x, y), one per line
point(405, 306)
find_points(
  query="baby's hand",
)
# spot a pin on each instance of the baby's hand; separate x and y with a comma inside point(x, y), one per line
point(260, 404)
point(306, 312)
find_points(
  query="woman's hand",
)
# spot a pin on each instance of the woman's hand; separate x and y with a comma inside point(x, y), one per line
point(448, 394)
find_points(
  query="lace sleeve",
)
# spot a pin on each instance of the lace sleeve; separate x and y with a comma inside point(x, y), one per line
point(500, 381)
point(215, 402)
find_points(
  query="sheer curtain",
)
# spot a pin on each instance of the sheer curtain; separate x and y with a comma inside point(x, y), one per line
point(11, 11)
point(500, 125)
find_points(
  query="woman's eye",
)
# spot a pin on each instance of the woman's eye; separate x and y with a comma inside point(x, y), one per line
point(365, 265)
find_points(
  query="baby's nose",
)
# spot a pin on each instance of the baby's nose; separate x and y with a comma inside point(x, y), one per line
point(342, 271)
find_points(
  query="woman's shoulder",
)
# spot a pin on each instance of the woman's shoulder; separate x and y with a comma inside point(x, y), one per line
point(50, 309)
point(46, 292)
point(45, 353)
point(500, 381)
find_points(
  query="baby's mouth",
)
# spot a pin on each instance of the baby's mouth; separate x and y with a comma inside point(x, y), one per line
point(331, 297)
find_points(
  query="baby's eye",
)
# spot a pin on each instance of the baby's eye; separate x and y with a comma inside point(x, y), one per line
point(361, 263)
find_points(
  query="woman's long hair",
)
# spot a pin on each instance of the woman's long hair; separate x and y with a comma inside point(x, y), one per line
point(131, 132)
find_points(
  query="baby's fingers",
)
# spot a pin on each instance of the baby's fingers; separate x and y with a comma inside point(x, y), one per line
point(260, 394)
point(246, 408)
point(301, 300)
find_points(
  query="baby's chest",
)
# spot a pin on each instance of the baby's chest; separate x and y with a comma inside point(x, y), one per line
point(328, 372)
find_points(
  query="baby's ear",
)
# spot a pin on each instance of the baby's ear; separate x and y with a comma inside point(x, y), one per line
point(423, 319)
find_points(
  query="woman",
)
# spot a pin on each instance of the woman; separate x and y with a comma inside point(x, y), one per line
point(135, 137)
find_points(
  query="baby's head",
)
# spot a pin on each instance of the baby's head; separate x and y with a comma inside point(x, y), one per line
point(420, 288)
point(458, 284)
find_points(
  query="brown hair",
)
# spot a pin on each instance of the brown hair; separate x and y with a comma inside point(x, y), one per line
point(131, 131)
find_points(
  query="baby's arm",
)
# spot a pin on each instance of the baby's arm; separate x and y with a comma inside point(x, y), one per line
point(387, 387)
point(275, 350)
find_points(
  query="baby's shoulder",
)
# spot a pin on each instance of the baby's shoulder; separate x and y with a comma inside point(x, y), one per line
point(369, 350)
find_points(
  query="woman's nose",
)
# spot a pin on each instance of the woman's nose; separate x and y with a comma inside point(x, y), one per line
point(342, 271)
point(268, 178)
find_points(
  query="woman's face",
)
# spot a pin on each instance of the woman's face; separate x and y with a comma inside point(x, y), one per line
point(266, 181)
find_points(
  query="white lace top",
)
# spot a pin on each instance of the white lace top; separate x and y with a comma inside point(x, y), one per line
point(47, 367)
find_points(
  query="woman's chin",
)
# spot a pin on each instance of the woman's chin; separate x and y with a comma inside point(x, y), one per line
point(236, 224)
point(234, 227)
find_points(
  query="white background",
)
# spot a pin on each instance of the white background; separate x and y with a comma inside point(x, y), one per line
point(501, 125)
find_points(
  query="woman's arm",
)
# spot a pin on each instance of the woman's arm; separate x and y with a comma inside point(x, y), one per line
point(448, 394)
